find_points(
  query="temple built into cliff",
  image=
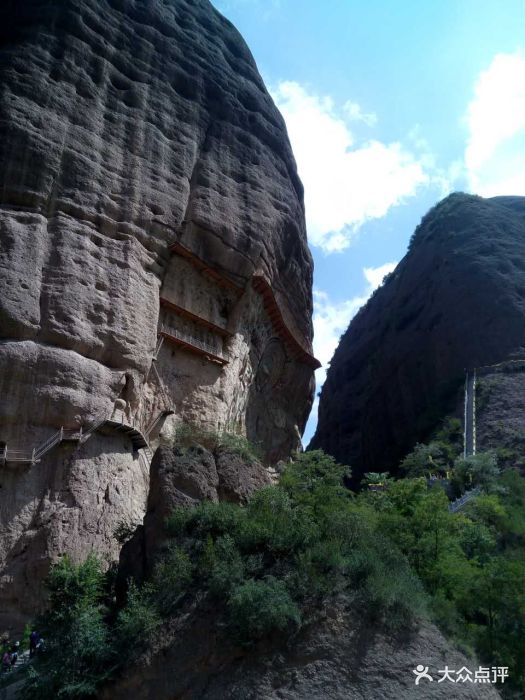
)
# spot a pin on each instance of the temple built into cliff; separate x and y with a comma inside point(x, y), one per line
point(154, 267)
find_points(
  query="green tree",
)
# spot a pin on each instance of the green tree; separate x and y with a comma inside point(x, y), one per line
point(79, 655)
point(498, 594)
point(425, 460)
point(316, 481)
point(477, 470)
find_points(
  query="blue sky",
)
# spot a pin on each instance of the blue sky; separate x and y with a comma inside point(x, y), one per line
point(390, 105)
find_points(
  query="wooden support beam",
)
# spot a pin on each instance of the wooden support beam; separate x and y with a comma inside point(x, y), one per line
point(262, 286)
point(180, 311)
point(191, 344)
point(220, 278)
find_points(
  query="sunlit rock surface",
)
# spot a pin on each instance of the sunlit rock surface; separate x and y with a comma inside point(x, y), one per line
point(126, 126)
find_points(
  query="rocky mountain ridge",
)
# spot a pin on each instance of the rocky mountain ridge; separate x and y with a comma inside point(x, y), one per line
point(456, 301)
point(151, 231)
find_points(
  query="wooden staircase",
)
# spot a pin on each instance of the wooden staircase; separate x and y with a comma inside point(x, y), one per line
point(460, 502)
point(138, 438)
point(10, 456)
point(137, 435)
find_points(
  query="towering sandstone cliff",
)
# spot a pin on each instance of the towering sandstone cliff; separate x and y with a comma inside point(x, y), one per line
point(455, 302)
point(153, 265)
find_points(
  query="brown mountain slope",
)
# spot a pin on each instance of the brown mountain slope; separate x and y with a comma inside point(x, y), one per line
point(455, 301)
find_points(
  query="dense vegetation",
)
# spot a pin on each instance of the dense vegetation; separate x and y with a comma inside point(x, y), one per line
point(396, 552)
point(471, 563)
point(188, 434)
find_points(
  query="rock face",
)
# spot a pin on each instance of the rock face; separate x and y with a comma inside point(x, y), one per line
point(500, 411)
point(183, 477)
point(456, 301)
point(148, 192)
point(335, 659)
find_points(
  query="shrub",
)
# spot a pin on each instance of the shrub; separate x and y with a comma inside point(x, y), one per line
point(136, 622)
point(425, 460)
point(223, 565)
point(258, 608)
point(315, 481)
point(124, 532)
point(374, 478)
point(74, 587)
point(208, 519)
point(394, 601)
point(477, 470)
point(79, 654)
point(272, 521)
point(171, 579)
point(240, 445)
point(291, 548)
point(189, 434)
point(267, 566)
point(451, 432)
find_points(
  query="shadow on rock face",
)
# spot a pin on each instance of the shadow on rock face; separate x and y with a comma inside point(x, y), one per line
point(182, 476)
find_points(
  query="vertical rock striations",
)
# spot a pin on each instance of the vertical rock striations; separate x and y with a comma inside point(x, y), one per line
point(149, 193)
point(456, 301)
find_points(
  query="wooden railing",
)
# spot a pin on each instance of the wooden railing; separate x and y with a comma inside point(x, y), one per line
point(194, 344)
point(199, 320)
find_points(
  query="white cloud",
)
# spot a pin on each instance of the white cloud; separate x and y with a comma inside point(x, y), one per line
point(331, 319)
point(346, 182)
point(496, 128)
point(354, 112)
point(375, 275)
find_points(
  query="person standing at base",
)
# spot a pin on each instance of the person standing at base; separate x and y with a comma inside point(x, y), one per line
point(34, 639)
point(14, 654)
point(6, 661)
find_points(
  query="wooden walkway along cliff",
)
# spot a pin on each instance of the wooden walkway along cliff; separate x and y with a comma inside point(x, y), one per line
point(199, 347)
point(198, 320)
point(218, 277)
point(261, 285)
point(138, 438)
point(138, 435)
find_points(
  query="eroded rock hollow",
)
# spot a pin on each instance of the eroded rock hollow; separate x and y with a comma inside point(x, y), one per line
point(153, 265)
